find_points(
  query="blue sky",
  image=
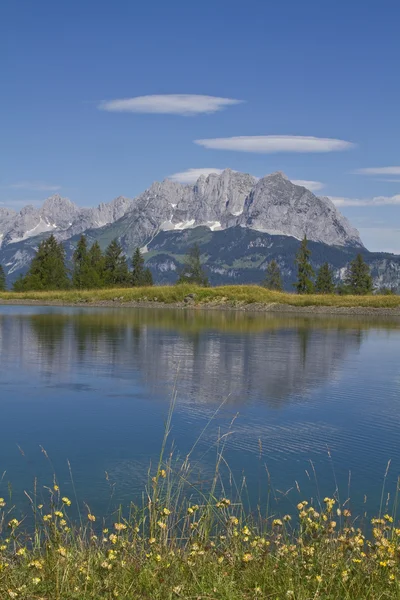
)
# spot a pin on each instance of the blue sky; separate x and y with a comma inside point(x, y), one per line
point(300, 69)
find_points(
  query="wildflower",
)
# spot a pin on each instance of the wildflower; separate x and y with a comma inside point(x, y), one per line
point(287, 518)
point(56, 488)
point(66, 501)
point(246, 530)
point(106, 565)
point(163, 473)
point(224, 502)
point(2, 503)
point(392, 577)
point(47, 517)
point(91, 517)
point(276, 523)
point(318, 578)
point(166, 511)
point(234, 520)
point(58, 513)
point(220, 559)
point(62, 551)
point(21, 552)
point(388, 518)
point(247, 557)
point(63, 522)
point(13, 523)
point(158, 557)
point(119, 526)
point(36, 580)
point(113, 538)
point(36, 564)
point(162, 525)
point(152, 540)
point(346, 513)
point(12, 594)
point(383, 563)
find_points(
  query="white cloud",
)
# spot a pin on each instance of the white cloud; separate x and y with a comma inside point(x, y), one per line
point(36, 186)
point(269, 144)
point(377, 201)
point(192, 175)
point(313, 186)
point(171, 104)
point(378, 171)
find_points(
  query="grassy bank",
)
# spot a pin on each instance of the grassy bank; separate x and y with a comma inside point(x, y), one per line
point(230, 296)
point(174, 547)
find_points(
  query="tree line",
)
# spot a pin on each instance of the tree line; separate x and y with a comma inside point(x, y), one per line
point(91, 268)
point(358, 279)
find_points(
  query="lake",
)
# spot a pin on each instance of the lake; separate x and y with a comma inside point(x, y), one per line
point(300, 404)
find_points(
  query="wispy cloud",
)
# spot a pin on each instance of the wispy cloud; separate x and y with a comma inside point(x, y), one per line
point(169, 104)
point(269, 144)
point(378, 171)
point(377, 201)
point(35, 186)
point(192, 175)
point(313, 186)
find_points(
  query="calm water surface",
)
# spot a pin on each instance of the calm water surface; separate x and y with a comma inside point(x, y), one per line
point(93, 386)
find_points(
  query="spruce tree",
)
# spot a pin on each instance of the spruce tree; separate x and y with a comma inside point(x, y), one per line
point(96, 260)
point(115, 265)
point(273, 279)
point(324, 284)
point(81, 265)
point(47, 270)
point(192, 270)
point(358, 278)
point(138, 269)
point(305, 272)
point(3, 285)
point(148, 278)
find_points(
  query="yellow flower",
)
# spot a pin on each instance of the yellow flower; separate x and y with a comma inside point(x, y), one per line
point(318, 578)
point(91, 517)
point(66, 501)
point(388, 518)
point(13, 523)
point(161, 525)
point(21, 552)
point(56, 488)
point(234, 520)
point(223, 503)
point(166, 511)
point(58, 513)
point(383, 563)
point(247, 557)
point(62, 551)
point(113, 538)
point(152, 540)
point(287, 518)
point(158, 557)
point(163, 473)
point(47, 517)
point(2, 503)
point(276, 523)
point(36, 580)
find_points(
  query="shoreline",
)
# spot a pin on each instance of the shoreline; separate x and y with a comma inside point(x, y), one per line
point(255, 307)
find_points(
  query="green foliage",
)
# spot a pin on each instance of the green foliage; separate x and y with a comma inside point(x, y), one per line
point(305, 272)
point(324, 283)
point(3, 285)
point(385, 291)
point(358, 278)
point(47, 270)
point(97, 264)
point(273, 279)
point(140, 276)
point(115, 265)
point(192, 270)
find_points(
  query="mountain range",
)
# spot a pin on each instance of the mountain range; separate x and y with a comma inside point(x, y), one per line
point(239, 221)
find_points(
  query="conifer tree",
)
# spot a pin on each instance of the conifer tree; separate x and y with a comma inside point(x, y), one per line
point(137, 268)
point(115, 265)
point(3, 284)
point(305, 272)
point(96, 260)
point(81, 265)
point(47, 270)
point(324, 284)
point(140, 275)
point(358, 278)
point(148, 278)
point(273, 279)
point(192, 270)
